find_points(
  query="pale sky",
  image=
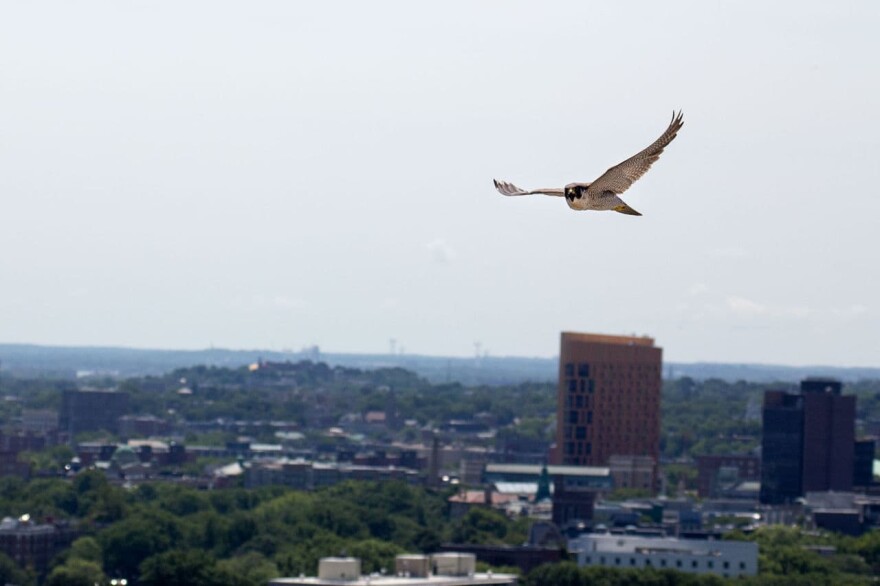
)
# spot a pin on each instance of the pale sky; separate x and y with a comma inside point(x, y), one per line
point(281, 174)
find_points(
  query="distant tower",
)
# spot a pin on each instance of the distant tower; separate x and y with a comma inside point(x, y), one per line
point(543, 493)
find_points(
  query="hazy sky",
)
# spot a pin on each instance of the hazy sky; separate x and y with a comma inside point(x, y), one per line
point(281, 174)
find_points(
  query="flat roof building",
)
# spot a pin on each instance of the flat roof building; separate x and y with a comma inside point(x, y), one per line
point(808, 441)
point(608, 400)
point(439, 569)
point(91, 410)
point(722, 558)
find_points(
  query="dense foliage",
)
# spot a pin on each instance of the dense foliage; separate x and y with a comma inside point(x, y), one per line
point(709, 417)
point(167, 534)
point(159, 533)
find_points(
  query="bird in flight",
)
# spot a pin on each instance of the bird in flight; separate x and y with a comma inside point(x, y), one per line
point(604, 192)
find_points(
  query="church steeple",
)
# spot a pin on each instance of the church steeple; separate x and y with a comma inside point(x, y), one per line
point(543, 493)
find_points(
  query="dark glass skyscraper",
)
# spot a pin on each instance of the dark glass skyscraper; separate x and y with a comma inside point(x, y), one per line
point(808, 441)
point(782, 447)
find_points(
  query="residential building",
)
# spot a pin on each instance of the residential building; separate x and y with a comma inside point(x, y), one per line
point(723, 558)
point(715, 472)
point(91, 410)
point(10, 465)
point(29, 544)
point(608, 400)
point(25, 441)
point(462, 502)
point(632, 471)
point(39, 421)
point(142, 426)
point(306, 475)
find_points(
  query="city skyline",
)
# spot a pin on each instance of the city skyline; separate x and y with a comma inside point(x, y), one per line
point(209, 174)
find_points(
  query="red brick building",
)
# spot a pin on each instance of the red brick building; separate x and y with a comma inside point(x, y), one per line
point(608, 400)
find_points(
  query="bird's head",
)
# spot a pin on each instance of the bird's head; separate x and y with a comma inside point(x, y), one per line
point(572, 191)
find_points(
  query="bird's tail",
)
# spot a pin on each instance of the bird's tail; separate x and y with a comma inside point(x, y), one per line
point(625, 209)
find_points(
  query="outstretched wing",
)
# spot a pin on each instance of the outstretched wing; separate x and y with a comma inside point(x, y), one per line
point(505, 188)
point(617, 179)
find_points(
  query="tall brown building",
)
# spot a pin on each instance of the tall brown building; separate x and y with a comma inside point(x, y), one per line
point(608, 402)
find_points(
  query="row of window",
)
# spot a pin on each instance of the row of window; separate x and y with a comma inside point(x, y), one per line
point(583, 369)
point(710, 564)
point(628, 434)
point(584, 385)
point(580, 449)
point(579, 401)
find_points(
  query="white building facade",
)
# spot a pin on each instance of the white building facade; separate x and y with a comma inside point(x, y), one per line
point(727, 559)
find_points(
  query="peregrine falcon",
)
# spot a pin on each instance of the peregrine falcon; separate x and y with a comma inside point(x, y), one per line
point(603, 193)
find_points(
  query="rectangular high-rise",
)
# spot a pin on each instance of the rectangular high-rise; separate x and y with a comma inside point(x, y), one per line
point(808, 442)
point(782, 447)
point(829, 436)
point(608, 400)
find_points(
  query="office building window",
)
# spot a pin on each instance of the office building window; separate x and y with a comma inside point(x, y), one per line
point(569, 369)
